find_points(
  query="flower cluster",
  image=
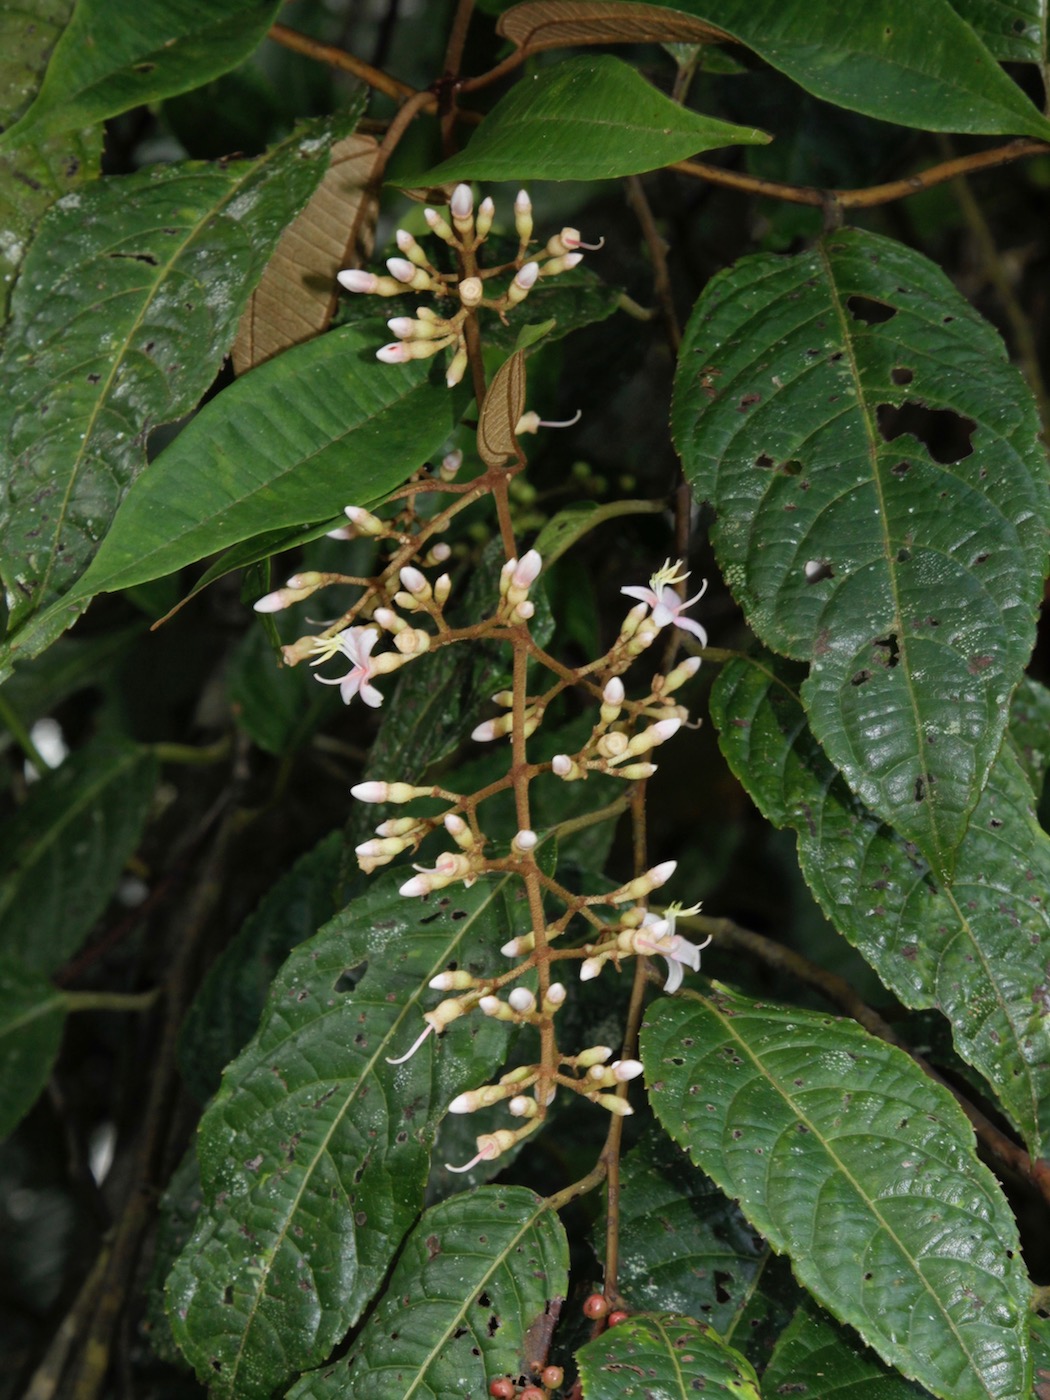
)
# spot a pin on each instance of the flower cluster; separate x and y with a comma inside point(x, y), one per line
point(464, 231)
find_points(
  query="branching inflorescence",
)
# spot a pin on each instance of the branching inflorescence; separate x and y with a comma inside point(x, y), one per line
point(400, 615)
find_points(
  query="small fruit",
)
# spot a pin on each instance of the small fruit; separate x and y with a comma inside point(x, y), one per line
point(595, 1306)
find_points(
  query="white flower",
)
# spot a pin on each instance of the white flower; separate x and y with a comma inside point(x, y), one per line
point(657, 937)
point(355, 643)
point(665, 603)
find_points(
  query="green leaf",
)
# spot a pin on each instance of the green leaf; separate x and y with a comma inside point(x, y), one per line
point(32, 1014)
point(314, 1155)
point(100, 68)
point(322, 426)
point(35, 174)
point(569, 525)
point(919, 65)
point(476, 1274)
point(684, 1248)
point(176, 1219)
point(1012, 30)
point(588, 118)
point(974, 949)
point(907, 571)
point(849, 1159)
point(666, 1356)
point(128, 298)
point(1029, 731)
point(226, 1010)
point(62, 852)
point(823, 1361)
point(278, 706)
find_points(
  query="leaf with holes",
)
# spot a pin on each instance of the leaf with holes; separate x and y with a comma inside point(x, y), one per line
point(314, 1154)
point(661, 1354)
point(882, 500)
point(476, 1276)
point(816, 1357)
point(62, 852)
point(1012, 30)
point(845, 1156)
point(975, 949)
point(32, 1014)
point(128, 299)
point(1029, 731)
point(100, 68)
point(589, 118)
point(918, 65)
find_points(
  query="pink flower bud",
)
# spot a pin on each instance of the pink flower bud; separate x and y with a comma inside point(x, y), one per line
point(462, 202)
point(524, 842)
point(625, 1070)
point(486, 213)
point(522, 1000)
point(525, 277)
point(414, 581)
point(457, 368)
point(613, 694)
point(528, 569)
point(393, 354)
point(418, 885)
point(450, 465)
point(402, 326)
point(363, 521)
point(561, 764)
point(370, 792)
point(401, 268)
point(357, 280)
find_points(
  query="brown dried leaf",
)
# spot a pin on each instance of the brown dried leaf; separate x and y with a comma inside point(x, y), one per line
point(296, 296)
point(552, 24)
point(504, 404)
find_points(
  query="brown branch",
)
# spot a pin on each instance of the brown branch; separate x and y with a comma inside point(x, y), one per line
point(839, 992)
point(345, 62)
point(873, 194)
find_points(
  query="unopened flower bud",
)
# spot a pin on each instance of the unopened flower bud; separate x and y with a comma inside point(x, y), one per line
point(655, 734)
point(357, 280)
point(596, 1055)
point(412, 641)
point(442, 586)
point(613, 1103)
point(461, 207)
point(415, 582)
point(524, 842)
point(684, 671)
point(486, 213)
point(646, 883)
point(410, 248)
point(437, 225)
point(556, 265)
point(636, 772)
point(439, 553)
point(555, 997)
point(521, 1106)
point(282, 598)
point(457, 368)
point(624, 1070)
point(590, 967)
point(490, 1146)
point(363, 521)
point(499, 1010)
point(523, 216)
point(527, 570)
point(456, 981)
point(405, 328)
point(523, 283)
point(450, 465)
point(518, 947)
point(613, 694)
point(612, 745)
point(522, 1000)
point(566, 768)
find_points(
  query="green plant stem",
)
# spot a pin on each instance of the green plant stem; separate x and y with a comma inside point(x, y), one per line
point(110, 1001)
point(12, 722)
point(193, 755)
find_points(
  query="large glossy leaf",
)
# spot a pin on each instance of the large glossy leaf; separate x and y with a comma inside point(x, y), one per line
point(322, 426)
point(314, 1154)
point(128, 299)
point(849, 1159)
point(62, 852)
point(1013, 30)
point(589, 118)
point(882, 504)
point(32, 1014)
point(661, 1354)
point(919, 65)
point(817, 1358)
point(476, 1274)
point(974, 949)
point(108, 62)
point(226, 1010)
point(35, 174)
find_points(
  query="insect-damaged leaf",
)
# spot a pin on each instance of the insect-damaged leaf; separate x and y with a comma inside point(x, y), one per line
point(881, 493)
point(552, 24)
point(504, 404)
point(314, 1155)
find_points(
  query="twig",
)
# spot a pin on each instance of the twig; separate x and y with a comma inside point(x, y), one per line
point(872, 195)
point(346, 62)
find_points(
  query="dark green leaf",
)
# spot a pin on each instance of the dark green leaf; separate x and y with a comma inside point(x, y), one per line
point(34, 175)
point(1029, 730)
point(917, 65)
point(589, 118)
point(821, 1360)
point(70, 666)
point(279, 707)
point(477, 1272)
point(1011, 30)
point(176, 1218)
point(973, 949)
point(907, 571)
point(314, 1155)
point(129, 297)
point(100, 68)
point(62, 852)
point(322, 426)
point(684, 1248)
point(662, 1355)
point(563, 530)
point(32, 1014)
point(226, 1010)
point(849, 1159)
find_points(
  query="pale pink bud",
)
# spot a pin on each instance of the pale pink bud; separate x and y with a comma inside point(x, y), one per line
point(341, 532)
point(684, 671)
point(522, 1000)
point(402, 326)
point(401, 268)
point(389, 620)
point(562, 765)
point(613, 694)
point(625, 1070)
point(486, 213)
point(556, 995)
point(273, 602)
point(462, 202)
point(636, 772)
point(524, 842)
point(414, 581)
point(457, 368)
point(440, 553)
point(450, 465)
point(528, 569)
point(357, 280)
point(437, 225)
point(418, 885)
point(557, 265)
point(524, 611)
point(485, 731)
point(521, 1106)
point(363, 521)
point(590, 967)
point(442, 589)
point(523, 216)
point(462, 1103)
point(518, 947)
point(456, 981)
point(393, 354)
point(524, 280)
point(370, 792)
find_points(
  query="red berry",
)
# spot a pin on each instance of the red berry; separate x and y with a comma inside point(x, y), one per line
point(552, 1377)
point(531, 1392)
point(595, 1306)
point(617, 1316)
point(502, 1388)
